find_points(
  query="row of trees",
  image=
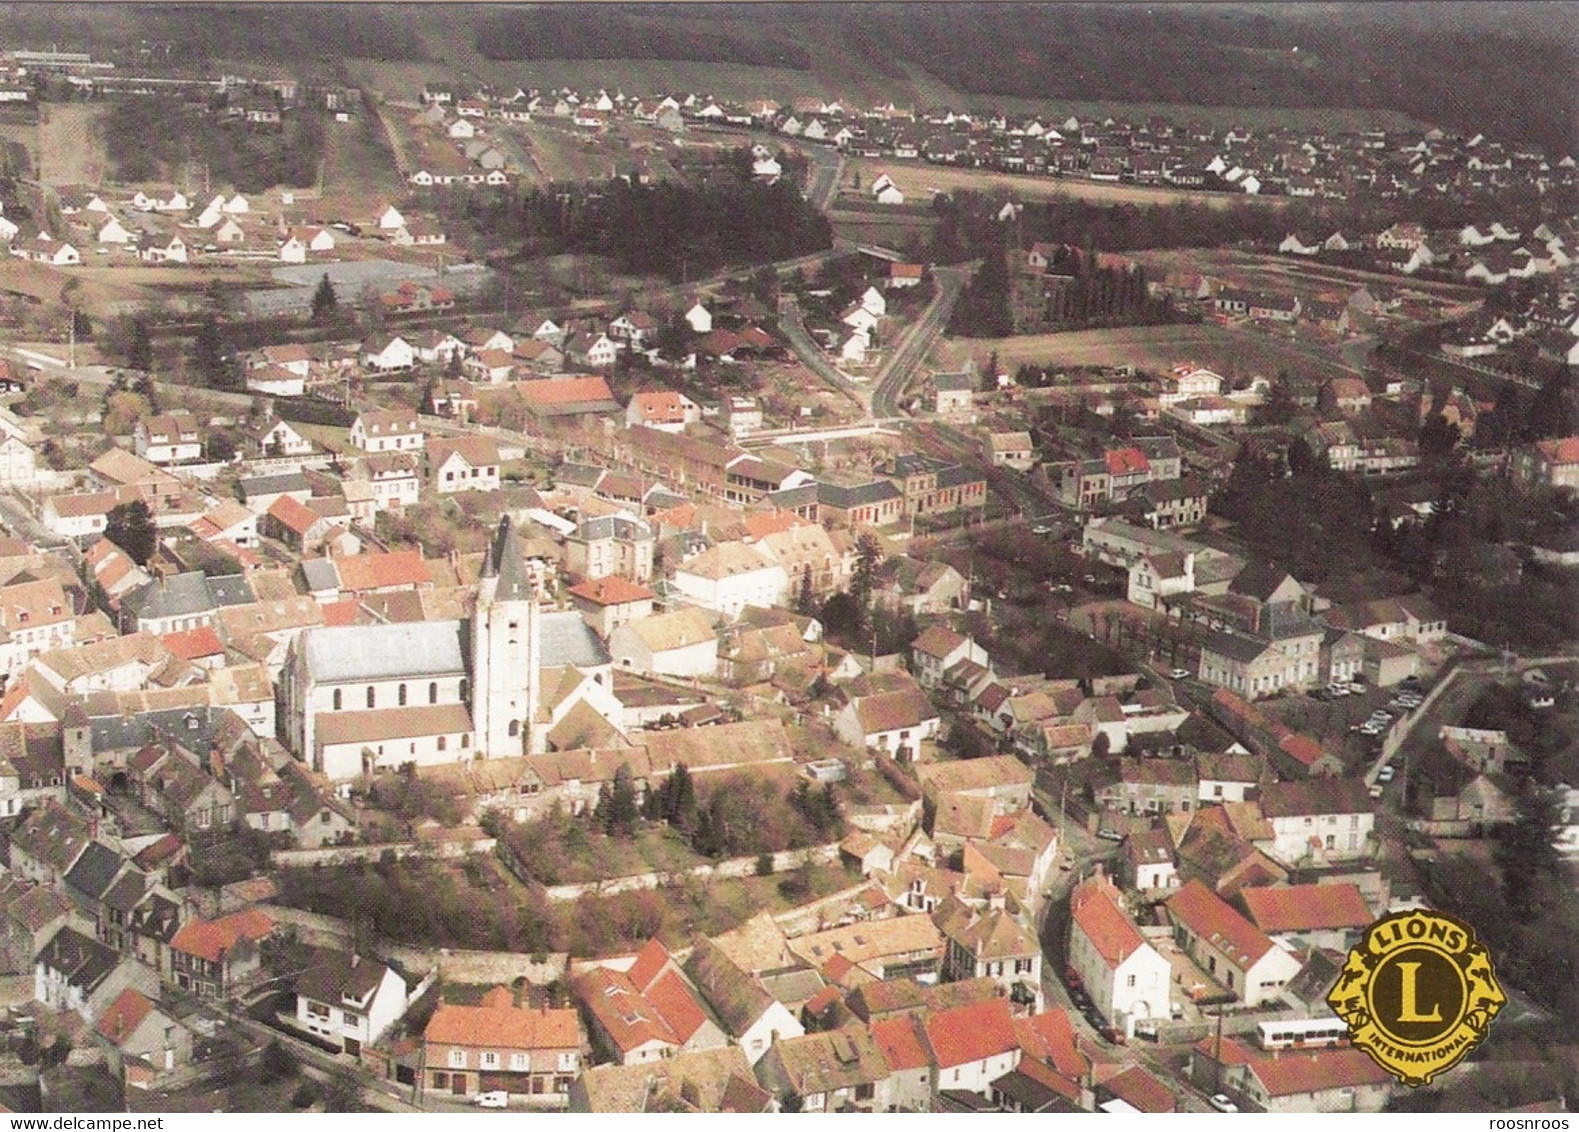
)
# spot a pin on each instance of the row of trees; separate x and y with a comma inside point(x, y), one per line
point(675, 230)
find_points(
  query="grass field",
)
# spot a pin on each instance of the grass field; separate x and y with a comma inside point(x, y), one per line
point(1154, 348)
point(70, 144)
point(359, 165)
point(918, 181)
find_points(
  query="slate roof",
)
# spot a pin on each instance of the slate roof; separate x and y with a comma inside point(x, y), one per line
point(372, 652)
point(187, 594)
point(94, 870)
point(845, 496)
point(85, 962)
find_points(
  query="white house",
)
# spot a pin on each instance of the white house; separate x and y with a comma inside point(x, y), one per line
point(700, 319)
point(349, 1001)
point(1318, 821)
point(387, 355)
point(391, 218)
point(171, 438)
point(386, 432)
point(731, 576)
point(465, 463)
point(682, 644)
point(895, 723)
point(1127, 978)
point(884, 191)
point(972, 1046)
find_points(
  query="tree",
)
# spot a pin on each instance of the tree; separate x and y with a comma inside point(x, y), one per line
point(325, 304)
point(139, 346)
point(131, 527)
point(621, 815)
point(988, 382)
point(868, 553)
point(211, 356)
point(1526, 849)
point(805, 599)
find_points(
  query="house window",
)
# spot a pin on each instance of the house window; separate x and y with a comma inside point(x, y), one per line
point(1130, 981)
point(372, 695)
point(443, 742)
point(466, 741)
point(337, 699)
point(400, 696)
point(518, 1062)
point(457, 1059)
point(515, 728)
point(490, 1060)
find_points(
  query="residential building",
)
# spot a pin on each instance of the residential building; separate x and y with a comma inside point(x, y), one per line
point(1127, 978)
point(349, 1000)
point(500, 1045)
point(1229, 947)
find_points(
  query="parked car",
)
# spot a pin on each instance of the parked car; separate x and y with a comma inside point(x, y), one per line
point(1221, 1103)
point(1385, 775)
point(1376, 791)
point(1179, 674)
point(1110, 834)
point(498, 1098)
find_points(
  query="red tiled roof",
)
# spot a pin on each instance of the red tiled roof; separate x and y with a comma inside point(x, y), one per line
point(1297, 1074)
point(1561, 451)
point(1210, 917)
point(673, 999)
point(499, 1025)
point(760, 524)
point(1124, 460)
point(1306, 907)
point(213, 939)
point(1097, 913)
point(623, 1012)
point(362, 572)
point(971, 1033)
point(1302, 748)
point(1136, 1087)
point(565, 390)
point(293, 515)
point(341, 612)
point(900, 1043)
point(612, 590)
point(192, 644)
point(650, 960)
point(664, 406)
point(1049, 1037)
point(125, 1014)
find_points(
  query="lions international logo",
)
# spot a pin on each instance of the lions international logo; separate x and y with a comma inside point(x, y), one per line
point(1418, 994)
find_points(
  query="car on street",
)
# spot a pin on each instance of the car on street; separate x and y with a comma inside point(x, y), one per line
point(1221, 1103)
point(1041, 530)
point(1377, 790)
point(1385, 775)
point(1110, 834)
point(496, 1098)
point(1179, 674)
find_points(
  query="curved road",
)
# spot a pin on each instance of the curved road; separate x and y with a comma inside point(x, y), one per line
point(918, 339)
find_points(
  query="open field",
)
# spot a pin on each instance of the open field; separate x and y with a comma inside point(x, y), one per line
point(70, 143)
point(1154, 348)
point(917, 181)
point(358, 163)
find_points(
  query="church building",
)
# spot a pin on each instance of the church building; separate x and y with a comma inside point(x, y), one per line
point(362, 698)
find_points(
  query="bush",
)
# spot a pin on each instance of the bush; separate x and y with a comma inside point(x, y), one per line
point(764, 864)
point(305, 1096)
point(277, 1063)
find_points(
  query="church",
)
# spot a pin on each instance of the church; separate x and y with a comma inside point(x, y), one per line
point(363, 698)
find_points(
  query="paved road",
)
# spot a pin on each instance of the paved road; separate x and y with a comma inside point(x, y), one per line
point(827, 170)
point(917, 340)
point(812, 356)
point(16, 519)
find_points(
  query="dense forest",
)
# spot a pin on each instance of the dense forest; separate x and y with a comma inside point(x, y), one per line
point(1501, 70)
point(152, 139)
point(678, 231)
point(583, 32)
